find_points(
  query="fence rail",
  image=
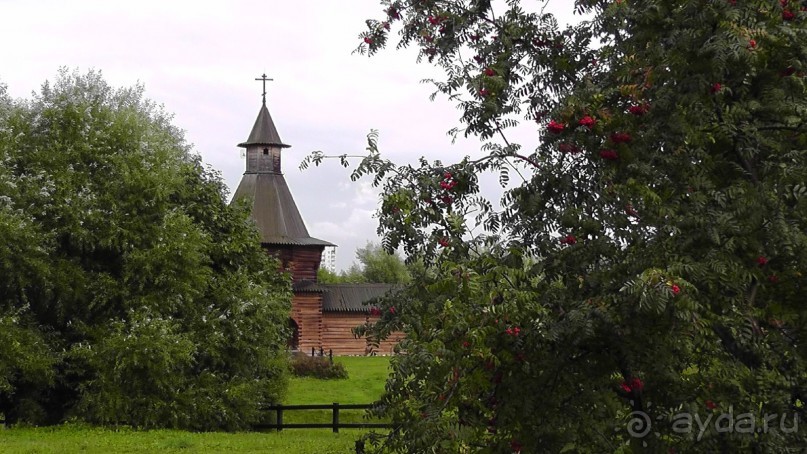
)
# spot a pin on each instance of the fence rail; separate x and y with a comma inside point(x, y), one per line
point(335, 425)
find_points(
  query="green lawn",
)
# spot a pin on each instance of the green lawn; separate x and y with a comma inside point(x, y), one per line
point(77, 439)
point(364, 385)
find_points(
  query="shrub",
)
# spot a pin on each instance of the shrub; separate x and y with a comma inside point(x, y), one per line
point(317, 367)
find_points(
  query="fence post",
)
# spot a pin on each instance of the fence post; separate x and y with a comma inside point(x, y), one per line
point(279, 418)
point(312, 351)
point(336, 417)
point(330, 355)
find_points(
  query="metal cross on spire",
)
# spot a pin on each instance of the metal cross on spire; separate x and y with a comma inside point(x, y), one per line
point(264, 79)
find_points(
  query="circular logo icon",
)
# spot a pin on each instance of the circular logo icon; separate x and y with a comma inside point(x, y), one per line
point(639, 424)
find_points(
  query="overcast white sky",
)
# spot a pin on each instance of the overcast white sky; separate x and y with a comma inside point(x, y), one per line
point(199, 59)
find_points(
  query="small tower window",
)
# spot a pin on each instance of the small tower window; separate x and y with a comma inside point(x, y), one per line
point(265, 151)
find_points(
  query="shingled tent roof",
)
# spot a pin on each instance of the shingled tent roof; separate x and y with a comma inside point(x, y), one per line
point(346, 297)
point(264, 131)
point(273, 208)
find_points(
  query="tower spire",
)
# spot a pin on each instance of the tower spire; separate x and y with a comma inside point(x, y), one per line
point(264, 131)
point(273, 207)
point(263, 78)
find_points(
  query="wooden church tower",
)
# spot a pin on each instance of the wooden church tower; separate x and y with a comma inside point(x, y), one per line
point(283, 232)
point(322, 316)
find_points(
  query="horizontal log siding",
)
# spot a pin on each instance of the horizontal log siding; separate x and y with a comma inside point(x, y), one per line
point(337, 334)
point(306, 310)
point(387, 346)
point(302, 261)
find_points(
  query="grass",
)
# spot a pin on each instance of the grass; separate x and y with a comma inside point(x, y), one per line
point(365, 384)
point(70, 439)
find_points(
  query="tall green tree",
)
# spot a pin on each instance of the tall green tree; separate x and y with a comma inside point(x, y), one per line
point(380, 266)
point(326, 276)
point(648, 267)
point(375, 265)
point(130, 292)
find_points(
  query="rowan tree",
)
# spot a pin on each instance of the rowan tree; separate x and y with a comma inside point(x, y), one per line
point(650, 262)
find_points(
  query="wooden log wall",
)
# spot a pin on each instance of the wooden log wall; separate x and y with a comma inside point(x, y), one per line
point(302, 261)
point(330, 330)
point(306, 310)
point(337, 334)
point(386, 347)
point(305, 263)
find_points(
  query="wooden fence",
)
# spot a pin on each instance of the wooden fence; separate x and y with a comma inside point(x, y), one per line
point(335, 425)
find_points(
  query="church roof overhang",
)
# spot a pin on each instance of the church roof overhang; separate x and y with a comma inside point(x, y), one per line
point(287, 241)
point(274, 211)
